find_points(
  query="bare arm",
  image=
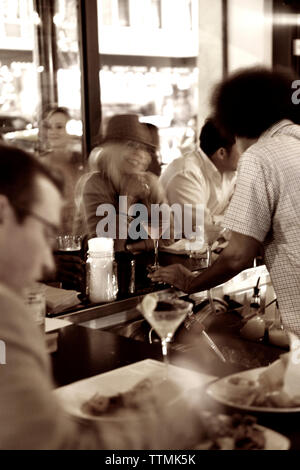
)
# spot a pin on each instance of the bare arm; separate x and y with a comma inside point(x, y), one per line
point(238, 255)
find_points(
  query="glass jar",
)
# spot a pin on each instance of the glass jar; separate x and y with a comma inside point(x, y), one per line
point(102, 284)
point(35, 301)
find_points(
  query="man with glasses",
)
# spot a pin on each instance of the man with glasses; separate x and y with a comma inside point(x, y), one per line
point(30, 206)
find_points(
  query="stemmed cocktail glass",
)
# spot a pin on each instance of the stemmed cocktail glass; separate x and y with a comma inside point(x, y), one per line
point(155, 232)
point(166, 318)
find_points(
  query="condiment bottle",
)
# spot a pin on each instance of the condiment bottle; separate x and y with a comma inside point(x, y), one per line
point(255, 327)
point(255, 300)
point(102, 285)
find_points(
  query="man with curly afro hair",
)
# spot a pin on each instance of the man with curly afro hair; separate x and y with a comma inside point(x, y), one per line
point(256, 106)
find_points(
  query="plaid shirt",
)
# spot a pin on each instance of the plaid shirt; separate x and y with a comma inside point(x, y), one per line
point(266, 206)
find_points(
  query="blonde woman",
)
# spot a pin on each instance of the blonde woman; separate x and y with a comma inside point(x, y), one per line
point(63, 157)
point(128, 150)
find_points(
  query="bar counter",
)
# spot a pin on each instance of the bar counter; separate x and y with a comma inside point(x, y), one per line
point(83, 352)
point(86, 349)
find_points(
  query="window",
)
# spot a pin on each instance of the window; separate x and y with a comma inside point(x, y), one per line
point(105, 9)
point(123, 6)
point(156, 13)
point(12, 9)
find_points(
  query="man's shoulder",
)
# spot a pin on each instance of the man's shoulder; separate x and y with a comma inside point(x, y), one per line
point(18, 327)
point(187, 164)
point(14, 314)
point(7, 296)
point(95, 181)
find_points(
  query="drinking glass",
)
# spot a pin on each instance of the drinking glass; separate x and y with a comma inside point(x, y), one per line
point(35, 300)
point(69, 244)
point(166, 318)
point(155, 232)
point(195, 242)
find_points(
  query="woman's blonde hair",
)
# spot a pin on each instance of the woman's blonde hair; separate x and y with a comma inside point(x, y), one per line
point(109, 162)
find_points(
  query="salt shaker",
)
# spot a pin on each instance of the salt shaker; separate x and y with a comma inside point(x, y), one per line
point(102, 285)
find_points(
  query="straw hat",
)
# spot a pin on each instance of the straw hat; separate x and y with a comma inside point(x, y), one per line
point(128, 127)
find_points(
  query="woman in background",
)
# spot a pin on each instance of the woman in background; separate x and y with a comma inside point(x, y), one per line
point(129, 150)
point(60, 154)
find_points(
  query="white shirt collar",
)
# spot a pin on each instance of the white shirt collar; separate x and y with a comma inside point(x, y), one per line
point(209, 166)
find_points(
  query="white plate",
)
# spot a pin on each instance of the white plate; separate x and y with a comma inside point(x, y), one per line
point(217, 390)
point(120, 380)
point(273, 440)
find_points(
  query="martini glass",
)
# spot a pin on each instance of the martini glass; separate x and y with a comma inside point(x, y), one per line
point(155, 232)
point(166, 318)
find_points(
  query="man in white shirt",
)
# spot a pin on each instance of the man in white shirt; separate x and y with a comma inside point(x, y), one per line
point(206, 176)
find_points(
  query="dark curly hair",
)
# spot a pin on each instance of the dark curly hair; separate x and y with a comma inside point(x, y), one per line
point(251, 100)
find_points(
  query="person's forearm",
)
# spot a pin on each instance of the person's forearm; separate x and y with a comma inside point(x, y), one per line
point(223, 269)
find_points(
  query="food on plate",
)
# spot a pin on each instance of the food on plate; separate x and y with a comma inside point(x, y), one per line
point(145, 395)
point(139, 396)
point(234, 432)
point(272, 378)
point(240, 389)
point(266, 391)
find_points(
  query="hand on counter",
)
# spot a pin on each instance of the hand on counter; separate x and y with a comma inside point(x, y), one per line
point(176, 275)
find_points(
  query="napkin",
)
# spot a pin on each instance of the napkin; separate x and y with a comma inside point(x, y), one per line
point(292, 371)
point(282, 377)
point(54, 324)
point(58, 300)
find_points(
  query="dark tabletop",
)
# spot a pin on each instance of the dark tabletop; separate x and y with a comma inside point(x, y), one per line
point(84, 352)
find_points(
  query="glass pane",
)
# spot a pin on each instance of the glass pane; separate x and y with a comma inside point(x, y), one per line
point(68, 66)
point(19, 97)
point(123, 12)
point(156, 13)
point(137, 75)
point(61, 136)
point(40, 87)
point(106, 12)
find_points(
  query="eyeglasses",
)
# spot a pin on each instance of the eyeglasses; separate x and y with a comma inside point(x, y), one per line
point(51, 229)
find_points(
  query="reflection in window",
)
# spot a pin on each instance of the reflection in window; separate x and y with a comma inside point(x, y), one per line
point(156, 13)
point(123, 12)
point(165, 96)
point(190, 6)
point(12, 9)
point(106, 10)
